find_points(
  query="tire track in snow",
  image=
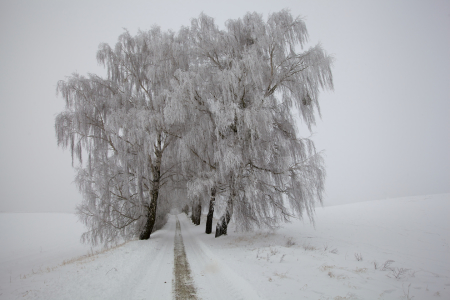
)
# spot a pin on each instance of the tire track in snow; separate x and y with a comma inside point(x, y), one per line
point(183, 284)
point(213, 278)
point(151, 278)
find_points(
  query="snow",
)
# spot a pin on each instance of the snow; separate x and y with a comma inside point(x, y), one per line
point(32, 241)
point(296, 261)
point(212, 276)
point(414, 232)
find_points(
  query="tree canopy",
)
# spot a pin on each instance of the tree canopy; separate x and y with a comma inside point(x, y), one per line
point(203, 113)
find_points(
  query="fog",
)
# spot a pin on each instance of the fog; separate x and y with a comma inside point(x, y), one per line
point(384, 129)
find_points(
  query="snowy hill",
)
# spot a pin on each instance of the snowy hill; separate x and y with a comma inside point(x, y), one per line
point(386, 249)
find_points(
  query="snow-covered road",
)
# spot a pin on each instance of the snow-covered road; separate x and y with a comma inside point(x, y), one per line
point(140, 270)
point(212, 277)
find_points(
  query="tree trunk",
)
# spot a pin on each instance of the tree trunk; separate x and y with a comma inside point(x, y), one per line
point(193, 212)
point(198, 213)
point(209, 218)
point(185, 209)
point(151, 216)
point(156, 172)
point(222, 225)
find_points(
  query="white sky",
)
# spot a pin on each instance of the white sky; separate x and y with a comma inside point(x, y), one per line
point(385, 129)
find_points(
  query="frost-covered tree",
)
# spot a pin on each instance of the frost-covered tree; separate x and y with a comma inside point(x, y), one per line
point(206, 112)
point(118, 123)
point(247, 86)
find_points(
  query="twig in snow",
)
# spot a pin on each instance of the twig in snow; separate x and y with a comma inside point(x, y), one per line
point(308, 247)
point(111, 270)
point(386, 265)
point(358, 256)
point(399, 272)
point(408, 297)
point(334, 251)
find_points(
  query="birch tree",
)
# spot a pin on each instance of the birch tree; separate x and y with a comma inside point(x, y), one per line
point(119, 124)
point(251, 82)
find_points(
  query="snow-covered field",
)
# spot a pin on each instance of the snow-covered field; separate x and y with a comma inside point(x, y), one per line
point(386, 249)
point(33, 241)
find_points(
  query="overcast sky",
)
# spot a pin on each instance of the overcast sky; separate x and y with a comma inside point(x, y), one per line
point(385, 129)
